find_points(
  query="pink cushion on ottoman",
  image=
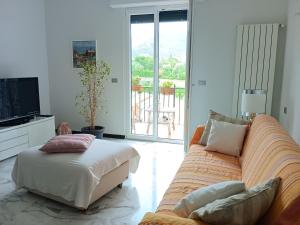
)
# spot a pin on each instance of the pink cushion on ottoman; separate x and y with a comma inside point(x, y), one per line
point(71, 143)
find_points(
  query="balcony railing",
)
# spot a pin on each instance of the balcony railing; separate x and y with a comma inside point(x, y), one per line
point(142, 101)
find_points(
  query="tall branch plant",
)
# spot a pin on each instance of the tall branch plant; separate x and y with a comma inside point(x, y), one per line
point(92, 78)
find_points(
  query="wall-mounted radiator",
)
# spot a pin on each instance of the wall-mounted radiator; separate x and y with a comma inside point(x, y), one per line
point(255, 62)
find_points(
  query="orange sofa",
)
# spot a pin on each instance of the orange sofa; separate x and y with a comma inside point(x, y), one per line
point(268, 152)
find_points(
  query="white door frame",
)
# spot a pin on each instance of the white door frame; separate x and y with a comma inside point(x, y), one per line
point(127, 68)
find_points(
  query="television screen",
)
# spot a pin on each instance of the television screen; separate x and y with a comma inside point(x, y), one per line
point(19, 97)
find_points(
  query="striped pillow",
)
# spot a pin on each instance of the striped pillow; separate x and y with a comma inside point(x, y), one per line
point(242, 209)
point(219, 117)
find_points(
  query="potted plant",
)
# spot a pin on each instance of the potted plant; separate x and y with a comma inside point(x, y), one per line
point(168, 88)
point(136, 84)
point(90, 100)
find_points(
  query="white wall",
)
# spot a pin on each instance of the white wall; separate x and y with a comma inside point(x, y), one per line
point(214, 42)
point(213, 50)
point(23, 43)
point(84, 20)
point(291, 79)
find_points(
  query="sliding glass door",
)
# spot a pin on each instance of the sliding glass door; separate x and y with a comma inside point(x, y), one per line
point(157, 74)
point(142, 74)
point(172, 73)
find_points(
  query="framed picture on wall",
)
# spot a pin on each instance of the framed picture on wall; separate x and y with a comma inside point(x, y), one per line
point(83, 51)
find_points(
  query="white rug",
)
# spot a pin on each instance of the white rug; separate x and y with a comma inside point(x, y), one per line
point(141, 193)
point(22, 207)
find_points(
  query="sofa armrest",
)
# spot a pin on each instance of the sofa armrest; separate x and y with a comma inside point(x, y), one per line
point(163, 219)
point(197, 135)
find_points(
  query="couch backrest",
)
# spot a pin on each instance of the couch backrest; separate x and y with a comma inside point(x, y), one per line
point(270, 152)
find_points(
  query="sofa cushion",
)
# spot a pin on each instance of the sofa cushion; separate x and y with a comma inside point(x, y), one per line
point(202, 196)
point(270, 152)
point(163, 219)
point(241, 209)
point(219, 117)
point(199, 169)
point(227, 138)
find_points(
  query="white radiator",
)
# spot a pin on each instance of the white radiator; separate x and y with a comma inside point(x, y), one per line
point(255, 62)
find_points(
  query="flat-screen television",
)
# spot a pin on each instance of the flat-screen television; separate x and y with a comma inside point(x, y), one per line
point(19, 98)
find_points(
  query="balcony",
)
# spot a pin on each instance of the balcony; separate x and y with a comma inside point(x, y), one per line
point(170, 111)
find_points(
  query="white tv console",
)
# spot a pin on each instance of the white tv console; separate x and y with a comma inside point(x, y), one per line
point(15, 139)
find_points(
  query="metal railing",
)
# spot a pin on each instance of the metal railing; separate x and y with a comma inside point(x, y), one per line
point(142, 100)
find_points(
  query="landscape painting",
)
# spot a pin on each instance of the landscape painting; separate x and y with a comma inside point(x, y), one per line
point(83, 51)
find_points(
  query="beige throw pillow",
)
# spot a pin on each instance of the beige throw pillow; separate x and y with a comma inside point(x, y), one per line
point(226, 138)
point(219, 117)
point(202, 196)
point(242, 209)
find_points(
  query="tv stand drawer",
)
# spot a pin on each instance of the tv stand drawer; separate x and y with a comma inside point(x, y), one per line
point(18, 138)
point(12, 143)
point(13, 151)
point(12, 134)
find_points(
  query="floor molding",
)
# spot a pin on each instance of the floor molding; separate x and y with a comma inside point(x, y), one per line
point(106, 135)
point(116, 136)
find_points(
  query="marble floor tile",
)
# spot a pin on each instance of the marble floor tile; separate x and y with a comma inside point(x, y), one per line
point(141, 193)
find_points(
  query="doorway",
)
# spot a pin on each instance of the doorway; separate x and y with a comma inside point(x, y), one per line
point(158, 45)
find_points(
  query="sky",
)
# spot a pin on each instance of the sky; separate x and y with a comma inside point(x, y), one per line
point(172, 39)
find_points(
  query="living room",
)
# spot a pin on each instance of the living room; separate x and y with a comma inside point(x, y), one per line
point(38, 38)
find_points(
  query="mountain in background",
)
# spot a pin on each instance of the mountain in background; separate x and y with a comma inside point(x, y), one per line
point(171, 43)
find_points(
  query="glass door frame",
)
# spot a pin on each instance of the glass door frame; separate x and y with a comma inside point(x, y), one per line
point(127, 67)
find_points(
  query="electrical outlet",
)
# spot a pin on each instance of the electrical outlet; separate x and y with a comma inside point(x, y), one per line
point(202, 82)
point(285, 110)
point(114, 80)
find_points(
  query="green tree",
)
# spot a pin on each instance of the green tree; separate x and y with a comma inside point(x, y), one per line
point(172, 68)
point(142, 66)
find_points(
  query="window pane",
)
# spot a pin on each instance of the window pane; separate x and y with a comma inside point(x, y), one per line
point(142, 74)
point(172, 73)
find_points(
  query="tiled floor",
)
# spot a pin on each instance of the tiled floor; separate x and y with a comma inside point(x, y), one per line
point(141, 193)
point(176, 134)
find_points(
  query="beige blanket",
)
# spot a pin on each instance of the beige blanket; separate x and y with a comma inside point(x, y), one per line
point(72, 176)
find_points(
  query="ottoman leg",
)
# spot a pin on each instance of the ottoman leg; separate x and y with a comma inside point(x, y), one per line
point(120, 185)
point(84, 211)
